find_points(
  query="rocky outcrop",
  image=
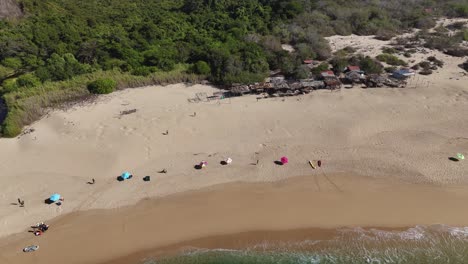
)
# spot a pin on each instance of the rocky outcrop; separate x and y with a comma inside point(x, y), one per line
point(9, 9)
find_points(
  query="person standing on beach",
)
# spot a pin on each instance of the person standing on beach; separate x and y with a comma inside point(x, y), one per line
point(319, 163)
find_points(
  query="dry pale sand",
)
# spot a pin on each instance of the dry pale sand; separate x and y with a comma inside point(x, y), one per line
point(406, 134)
point(161, 225)
point(400, 135)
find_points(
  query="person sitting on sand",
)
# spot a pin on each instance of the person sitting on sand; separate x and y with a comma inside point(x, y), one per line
point(21, 202)
point(44, 227)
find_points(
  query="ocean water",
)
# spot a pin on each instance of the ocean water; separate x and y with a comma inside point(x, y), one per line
point(421, 244)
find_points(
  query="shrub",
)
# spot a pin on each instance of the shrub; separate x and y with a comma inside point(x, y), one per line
point(201, 67)
point(141, 71)
point(426, 72)
point(302, 72)
point(389, 50)
point(390, 69)
point(425, 65)
point(28, 80)
point(457, 52)
point(464, 65)
point(322, 67)
point(102, 86)
point(391, 59)
point(368, 65)
point(9, 85)
point(383, 34)
point(13, 63)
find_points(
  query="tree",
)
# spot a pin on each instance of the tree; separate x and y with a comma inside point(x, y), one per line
point(59, 68)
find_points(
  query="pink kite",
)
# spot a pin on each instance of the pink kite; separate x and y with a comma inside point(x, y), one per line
point(284, 160)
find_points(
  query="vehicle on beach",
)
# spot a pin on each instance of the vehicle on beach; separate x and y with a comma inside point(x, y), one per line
point(31, 248)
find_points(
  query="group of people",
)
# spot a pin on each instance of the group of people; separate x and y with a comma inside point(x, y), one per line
point(40, 228)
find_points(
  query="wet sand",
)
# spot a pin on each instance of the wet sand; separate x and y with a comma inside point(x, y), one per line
point(212, 216)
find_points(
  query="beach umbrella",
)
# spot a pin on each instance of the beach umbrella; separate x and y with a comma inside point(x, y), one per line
point(460, 156)
point(284, 160)
point(54, 197)
point(126, 175)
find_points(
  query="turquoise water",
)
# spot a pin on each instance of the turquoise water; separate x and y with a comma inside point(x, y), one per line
point(434, 244)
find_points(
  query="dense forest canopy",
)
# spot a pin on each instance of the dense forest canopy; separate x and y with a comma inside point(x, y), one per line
point(239, 39)
point(229, 41)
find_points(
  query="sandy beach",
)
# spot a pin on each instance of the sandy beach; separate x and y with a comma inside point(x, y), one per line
point(231, 216)
point(383, 151)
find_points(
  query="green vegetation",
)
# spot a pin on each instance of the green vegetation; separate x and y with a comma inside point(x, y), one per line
point(391, 59)
point(231, 41)
point(102, 86)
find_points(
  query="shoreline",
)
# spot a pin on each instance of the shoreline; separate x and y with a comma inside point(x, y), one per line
point(212, 213)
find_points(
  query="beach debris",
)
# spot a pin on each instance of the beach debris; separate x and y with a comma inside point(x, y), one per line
point(166, 133)
point(311, 164)
point(146, 178)
point(31, 248)
point(460, 156)
point(284, 160)
point(125, 176)
point(93, 181)
point(127, 112)
point(162, 171)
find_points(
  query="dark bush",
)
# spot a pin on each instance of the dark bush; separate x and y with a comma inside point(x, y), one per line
point(426, 72)
point(141, 71)
point(415, 67)
point(464, 65)
point(389, 50)
point(102, 86)
point(390, 69)
point(425, 65)
point(383, 34)
point(457, 52)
